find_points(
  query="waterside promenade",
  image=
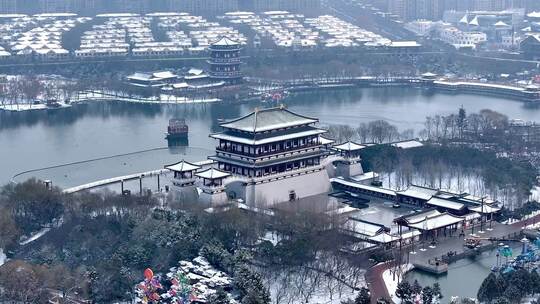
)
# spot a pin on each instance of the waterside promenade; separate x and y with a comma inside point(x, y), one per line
point(499, 233)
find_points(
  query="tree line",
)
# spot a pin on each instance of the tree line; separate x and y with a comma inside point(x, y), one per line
point(378, 131)
point(102, 242)
point(456, 168)
point(509, 288)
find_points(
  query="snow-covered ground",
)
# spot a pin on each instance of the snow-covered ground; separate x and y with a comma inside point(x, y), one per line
point(163, 98)
point(3, 257)
point(28, 107)
point(35, 236)
point(536, 193)
point(391, 282)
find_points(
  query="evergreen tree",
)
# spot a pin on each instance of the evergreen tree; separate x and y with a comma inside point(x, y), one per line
point(437, 291)
point(535, 281)
point(427, 295)
point(513, 293)
point(363, 297)
point(416, 288)
point(521, 279)
point(250, 285)
point(489, 289)
point(404, 292)
point(220, 297)
point(501, 300)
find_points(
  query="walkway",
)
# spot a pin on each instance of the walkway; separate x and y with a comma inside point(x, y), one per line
point(114, 180)
point(376, 285)
point(425, 252)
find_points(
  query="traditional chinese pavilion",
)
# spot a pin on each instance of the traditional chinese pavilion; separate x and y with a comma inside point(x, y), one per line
point(225, 60)
point(274, 155)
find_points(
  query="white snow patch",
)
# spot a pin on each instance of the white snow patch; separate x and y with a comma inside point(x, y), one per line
point(35, 236)
point(536, 193)
point(20, 107)
point(3, 257)
point(391, 283)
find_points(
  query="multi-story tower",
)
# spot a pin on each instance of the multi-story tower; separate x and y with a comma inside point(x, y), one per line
point(274, 156)
point(225, 60)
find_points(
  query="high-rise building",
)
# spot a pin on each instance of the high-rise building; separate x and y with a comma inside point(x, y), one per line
point(203, 6)
point(417, 9)
point(8, 6)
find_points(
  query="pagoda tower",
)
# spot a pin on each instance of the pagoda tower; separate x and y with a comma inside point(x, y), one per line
point(225, 61)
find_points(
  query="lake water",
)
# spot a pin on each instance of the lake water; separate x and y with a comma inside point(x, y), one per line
point(464, 277)
point(32, 140)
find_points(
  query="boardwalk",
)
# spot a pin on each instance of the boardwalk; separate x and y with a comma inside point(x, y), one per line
point(417, 252)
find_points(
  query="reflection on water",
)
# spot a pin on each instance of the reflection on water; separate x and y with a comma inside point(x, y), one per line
point(40, 139)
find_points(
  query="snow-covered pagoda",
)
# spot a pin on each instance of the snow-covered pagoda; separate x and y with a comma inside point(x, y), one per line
point(225, 60)
point(274, 154)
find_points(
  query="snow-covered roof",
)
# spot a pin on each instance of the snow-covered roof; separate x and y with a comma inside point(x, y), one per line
point(182, 166)
point(409, 234)
point(325, 141)
point(268, 119)
point(181, 85)
point(164, 74)
point(533, 15)
point(418, 192)
point(140, 76)
point(212, 173)
point(363, 228)
point(194, 71)
point(384, 238)
point(486, 209)
point(359, 186)
point(224, 41)
point(349, 146)
point(444, 203)
point(501, 23)
point(409, 144)
point(365, 176)
point(478, 200)
point(431, 221)
point(252, 141)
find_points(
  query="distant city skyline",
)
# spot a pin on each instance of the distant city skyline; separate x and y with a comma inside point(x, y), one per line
point(89, 7)
point(434, 9)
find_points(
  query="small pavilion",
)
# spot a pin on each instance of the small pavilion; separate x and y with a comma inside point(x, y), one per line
point(431, 223)
point(350, 166)
point(184, 173)
point(213, 190)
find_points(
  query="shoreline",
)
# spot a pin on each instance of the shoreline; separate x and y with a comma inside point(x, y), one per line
point(530, 94)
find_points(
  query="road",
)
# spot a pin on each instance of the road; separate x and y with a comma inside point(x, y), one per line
point(368, 20)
